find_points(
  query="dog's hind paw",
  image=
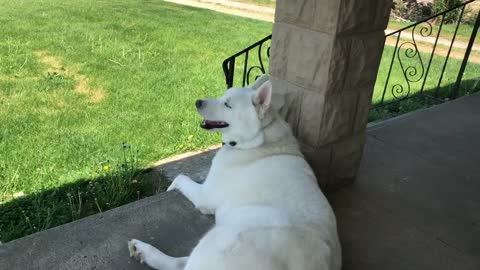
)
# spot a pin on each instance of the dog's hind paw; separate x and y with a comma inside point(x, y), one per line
point(136, 250)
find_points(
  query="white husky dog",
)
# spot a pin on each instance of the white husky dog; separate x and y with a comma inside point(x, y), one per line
point(269, 211)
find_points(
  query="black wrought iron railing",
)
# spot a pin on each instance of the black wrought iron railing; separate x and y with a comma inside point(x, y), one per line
point(415, 60)
point(249, 69)
point(416, 54)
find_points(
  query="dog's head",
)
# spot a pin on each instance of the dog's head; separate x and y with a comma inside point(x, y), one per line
point(240, 114)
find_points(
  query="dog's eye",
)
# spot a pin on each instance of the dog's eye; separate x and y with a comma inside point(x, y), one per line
point(227, 105)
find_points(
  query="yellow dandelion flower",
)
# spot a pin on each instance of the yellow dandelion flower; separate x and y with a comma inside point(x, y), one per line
point(106, 167)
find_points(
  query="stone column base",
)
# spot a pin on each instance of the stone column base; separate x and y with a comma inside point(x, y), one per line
point(335, 165)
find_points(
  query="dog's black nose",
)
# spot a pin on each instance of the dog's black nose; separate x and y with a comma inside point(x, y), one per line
point(199, 103)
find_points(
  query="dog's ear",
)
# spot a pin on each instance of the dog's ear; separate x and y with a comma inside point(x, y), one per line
point(263, 97)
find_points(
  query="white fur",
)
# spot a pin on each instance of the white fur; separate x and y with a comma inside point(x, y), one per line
point(269, 211)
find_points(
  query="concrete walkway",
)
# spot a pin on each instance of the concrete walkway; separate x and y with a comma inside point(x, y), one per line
point(100, 242)
point(415, 205)
point(268, 14)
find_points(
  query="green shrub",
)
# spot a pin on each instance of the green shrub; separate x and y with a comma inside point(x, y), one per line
point(442, 5)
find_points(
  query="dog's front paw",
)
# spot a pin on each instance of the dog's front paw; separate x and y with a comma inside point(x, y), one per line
point(172, 186)
point(175, 184)
point(136, 249)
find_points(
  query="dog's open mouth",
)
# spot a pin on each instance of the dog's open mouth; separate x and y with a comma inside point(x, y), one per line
point(207, 124)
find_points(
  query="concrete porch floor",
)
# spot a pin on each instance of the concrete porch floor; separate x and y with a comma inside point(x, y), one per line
point(415, 205)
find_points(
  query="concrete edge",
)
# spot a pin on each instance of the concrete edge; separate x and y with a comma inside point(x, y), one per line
point(79, 224)
point(164, 161)
point(166, 220)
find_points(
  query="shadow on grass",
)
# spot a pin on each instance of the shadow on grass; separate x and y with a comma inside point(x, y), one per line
point(53, 207)
point(421, 100)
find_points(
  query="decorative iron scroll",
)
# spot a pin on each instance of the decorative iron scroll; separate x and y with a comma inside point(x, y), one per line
point(260, 68)
point(410, 61)
point(252, 68)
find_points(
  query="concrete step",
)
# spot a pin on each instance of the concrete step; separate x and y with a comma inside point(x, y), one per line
point(167, 221)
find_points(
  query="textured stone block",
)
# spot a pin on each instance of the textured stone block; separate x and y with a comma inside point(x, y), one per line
point(296, 12)
point(364, 105)
point(291, 97)
point(363, 59)
point(338, 117)
point(301, 56)
point(319, 159)
point(362, 16)
point(335, 16)
point(349, 145)
point(320, 15)
point(336, 164)
point(338, 65)
point(309, 127)
point(346, 156)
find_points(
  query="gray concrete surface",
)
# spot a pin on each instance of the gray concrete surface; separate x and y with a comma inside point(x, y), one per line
point(415, 205)
point(167, 221)
point(416, 202)
point(196, 166)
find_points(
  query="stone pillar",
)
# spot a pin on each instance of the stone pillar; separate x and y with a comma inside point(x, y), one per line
point(324, 58)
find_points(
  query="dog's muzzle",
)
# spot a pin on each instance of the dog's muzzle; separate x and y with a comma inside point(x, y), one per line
point(207, 124)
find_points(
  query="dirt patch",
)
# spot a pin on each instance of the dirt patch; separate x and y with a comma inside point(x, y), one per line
point(54, 64)
point(82, 86)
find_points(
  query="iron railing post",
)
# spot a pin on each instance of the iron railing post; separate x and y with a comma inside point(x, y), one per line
point(459, 21)
point(456, 88)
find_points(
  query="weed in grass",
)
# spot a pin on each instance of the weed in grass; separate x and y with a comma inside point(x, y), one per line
point(118, 186)
point(187, 144)
point(54, 80)
point(75, 203)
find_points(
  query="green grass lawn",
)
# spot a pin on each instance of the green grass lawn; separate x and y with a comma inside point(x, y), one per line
point(91, 92)
point(80, 78)
point(146, 63)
